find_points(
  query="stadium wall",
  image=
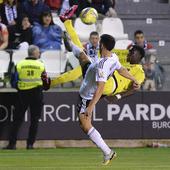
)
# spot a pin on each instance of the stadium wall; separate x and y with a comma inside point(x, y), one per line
point(141, 116)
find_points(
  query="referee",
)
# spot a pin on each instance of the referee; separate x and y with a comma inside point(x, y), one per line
point(30, 79)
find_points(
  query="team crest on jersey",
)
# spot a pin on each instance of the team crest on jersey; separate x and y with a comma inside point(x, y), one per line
point(101, 73)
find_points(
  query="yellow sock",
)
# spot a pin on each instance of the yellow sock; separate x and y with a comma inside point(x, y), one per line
point(72, 33)
point(74, 74)
point(66, 77)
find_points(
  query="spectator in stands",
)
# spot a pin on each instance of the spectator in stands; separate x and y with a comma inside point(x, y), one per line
point(92, 47)
point(111, 12)
point(156, 67)
point(33, 9)
point(104, 7)
point(140, 40)
point(9, 12)
point(22, 36)
point(3, 36)
point(150, 83)
point(54, 4)
point(25, 31)
point(65, 6)
point(46, 35)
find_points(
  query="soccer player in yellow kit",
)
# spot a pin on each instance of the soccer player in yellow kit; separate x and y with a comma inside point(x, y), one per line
point(122, 87)
point(116, 86)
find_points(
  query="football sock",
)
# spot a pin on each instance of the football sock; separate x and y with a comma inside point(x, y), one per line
point(95, 136)
point(72, 33)
point(66, 77)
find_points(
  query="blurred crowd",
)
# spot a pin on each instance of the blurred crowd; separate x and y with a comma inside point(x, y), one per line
point(21, 22)
point(26, 22)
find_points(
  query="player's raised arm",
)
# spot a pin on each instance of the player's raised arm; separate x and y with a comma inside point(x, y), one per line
point(116, 97)
point(124, 72)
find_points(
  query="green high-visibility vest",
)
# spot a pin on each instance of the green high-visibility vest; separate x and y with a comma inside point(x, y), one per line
point(29, 72)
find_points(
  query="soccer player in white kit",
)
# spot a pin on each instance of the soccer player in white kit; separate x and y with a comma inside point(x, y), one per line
point(95, 76)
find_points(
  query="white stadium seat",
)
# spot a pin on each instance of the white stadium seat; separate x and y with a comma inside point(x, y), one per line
point(122, 44)
point(114, 27)
point(72, 59)
point(55, 62)
point(4, 62)
point(83, 30)
point(57, 21)
point(19, 55)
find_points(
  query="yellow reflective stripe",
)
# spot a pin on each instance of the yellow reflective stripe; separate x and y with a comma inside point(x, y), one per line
point(30, 80)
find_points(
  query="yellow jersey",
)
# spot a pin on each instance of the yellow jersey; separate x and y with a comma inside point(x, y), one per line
point(118, 83)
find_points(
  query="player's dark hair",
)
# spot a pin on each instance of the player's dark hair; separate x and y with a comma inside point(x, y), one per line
point(108, 41)
point(139, 49)
point(95, 33)
point(138, 32)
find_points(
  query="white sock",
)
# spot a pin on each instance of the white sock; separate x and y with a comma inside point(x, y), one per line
point(95, 136)
point(76, 50)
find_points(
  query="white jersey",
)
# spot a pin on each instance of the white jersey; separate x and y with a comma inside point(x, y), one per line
point(98, 71)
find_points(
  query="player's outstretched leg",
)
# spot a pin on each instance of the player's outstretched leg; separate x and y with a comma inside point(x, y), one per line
point(76, 47)
point(94, 135)
point(72, 33)
point(74, 41)
point(66, 19)
point(66, 77)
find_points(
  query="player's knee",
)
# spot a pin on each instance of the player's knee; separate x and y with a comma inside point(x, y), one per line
point(85, 125)
point(84, 128)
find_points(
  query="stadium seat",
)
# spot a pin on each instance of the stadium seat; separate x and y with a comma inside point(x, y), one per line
point(19, 55)
point(74, 62)
point(167, 77)
point(4, 62)
point(83, 30)
point(122, 44)
point(57, 21)
point(55, 62)
point(142, 8)
point(114, 27)
point(163, 52)
point(161, 28)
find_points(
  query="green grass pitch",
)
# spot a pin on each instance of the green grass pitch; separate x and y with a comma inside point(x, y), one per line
point(84, 159)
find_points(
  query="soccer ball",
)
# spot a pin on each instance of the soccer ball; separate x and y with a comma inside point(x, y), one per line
point(89, 16)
